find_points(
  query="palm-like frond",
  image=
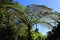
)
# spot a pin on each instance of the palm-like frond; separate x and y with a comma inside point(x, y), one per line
point(43, 14)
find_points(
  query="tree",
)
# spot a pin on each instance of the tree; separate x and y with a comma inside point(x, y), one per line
point(24, 16)
point(54, 34)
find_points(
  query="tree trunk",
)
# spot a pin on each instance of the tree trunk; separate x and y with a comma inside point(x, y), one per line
point(29, 32)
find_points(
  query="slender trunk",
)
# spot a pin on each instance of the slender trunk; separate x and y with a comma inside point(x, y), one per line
point(7, 20)
point(0, 19)
point(36, 26)
point(29, 32)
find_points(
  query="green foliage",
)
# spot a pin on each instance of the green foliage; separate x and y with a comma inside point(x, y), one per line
point(37, 36)
point(7, 31)
point(54, 34)
point(16, 21)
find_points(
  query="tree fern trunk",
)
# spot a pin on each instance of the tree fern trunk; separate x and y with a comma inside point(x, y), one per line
point(29, 32)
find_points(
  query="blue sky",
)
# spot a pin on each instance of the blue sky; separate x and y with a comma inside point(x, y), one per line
point(54, 4)
point(42, 28)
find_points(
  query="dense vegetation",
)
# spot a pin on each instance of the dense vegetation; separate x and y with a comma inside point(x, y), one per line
point(54, 34)
point(17, 21)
